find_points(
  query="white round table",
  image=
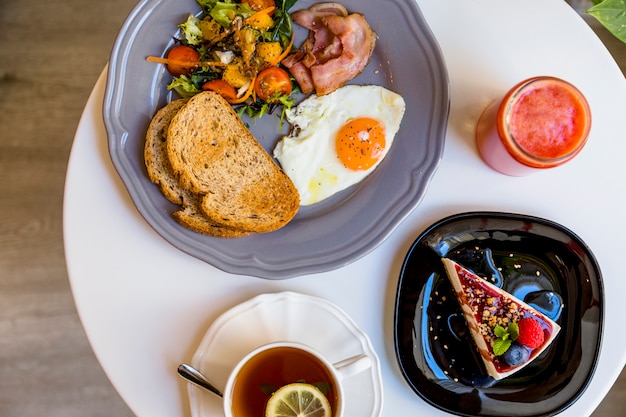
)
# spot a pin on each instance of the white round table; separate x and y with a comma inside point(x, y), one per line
point(145, 305)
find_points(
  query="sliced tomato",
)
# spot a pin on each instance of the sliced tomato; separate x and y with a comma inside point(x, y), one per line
point(183, 60)
point(222, 88)
point(272, 82)
point(258, 5)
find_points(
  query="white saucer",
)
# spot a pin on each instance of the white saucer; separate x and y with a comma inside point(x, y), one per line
point(286, 316)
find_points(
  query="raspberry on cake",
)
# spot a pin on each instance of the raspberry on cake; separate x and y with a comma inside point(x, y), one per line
point(530, 333)
point(508, 333)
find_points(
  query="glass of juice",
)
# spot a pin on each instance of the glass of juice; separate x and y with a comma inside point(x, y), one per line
point(542, 122)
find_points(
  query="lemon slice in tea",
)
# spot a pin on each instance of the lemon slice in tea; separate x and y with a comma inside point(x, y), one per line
point(298, 400)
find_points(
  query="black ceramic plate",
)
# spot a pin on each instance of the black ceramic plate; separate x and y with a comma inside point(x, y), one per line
point(540, 262)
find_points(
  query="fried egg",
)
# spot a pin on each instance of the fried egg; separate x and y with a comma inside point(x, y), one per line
point(338, 139)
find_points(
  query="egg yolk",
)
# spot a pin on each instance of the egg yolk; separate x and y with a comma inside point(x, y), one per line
point(360, 143)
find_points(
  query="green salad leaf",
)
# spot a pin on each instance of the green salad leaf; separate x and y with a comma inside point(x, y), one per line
point(206, 5)
point(285, 4)
point(191, 30)
point(225, 12)
point(612, 15)
point(189, 85)
point(283, 29)
point(184, 86)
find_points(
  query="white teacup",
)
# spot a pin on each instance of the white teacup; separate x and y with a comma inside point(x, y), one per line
point(273, 365)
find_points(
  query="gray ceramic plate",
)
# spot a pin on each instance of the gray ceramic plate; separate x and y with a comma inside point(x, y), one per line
point(321, 237)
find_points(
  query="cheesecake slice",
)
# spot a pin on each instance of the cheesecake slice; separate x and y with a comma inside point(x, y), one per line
point(508, 333)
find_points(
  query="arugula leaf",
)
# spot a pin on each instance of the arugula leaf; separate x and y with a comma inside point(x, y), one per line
point(283, 27)
point(612, 15)
point(285, 4)
point(257, 109)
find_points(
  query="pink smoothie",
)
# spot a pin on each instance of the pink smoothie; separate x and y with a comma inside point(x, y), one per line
point(548, 120)
point(541, 122)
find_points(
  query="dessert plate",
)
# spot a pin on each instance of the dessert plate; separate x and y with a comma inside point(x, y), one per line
point(539, 261)
point(326, 235)
point(286, 316)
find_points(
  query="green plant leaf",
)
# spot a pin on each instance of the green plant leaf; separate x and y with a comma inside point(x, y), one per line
point(500, 346)
point(612, 15)
point(513, 331)
point(501, 332)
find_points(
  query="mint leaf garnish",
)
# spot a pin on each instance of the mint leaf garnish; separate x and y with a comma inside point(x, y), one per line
point(504, 338)
point(501, 332)
point(513, 331)
point(500, 346)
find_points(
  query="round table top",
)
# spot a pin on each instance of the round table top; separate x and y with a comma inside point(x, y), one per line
point(146, 306)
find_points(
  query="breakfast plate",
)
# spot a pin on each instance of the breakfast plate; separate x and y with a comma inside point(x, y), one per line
point(536, 260)
point(326, 235)
point(286, 316)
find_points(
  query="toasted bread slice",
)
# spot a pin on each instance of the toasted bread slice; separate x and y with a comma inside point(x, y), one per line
point(193, 218)
point(213, 154)
point(160, 172)
point(155, 153)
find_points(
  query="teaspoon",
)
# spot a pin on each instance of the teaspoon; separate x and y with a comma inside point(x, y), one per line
point(191, 374)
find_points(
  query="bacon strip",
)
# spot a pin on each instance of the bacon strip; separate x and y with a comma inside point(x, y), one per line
point(358, 43)
point(307, 17)
point(337, 49)
point(302, 74)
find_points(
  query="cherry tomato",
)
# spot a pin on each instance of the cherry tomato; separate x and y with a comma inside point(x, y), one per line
point(270, 82)
point(258, 5)
point(183, 60)
point(222, 88)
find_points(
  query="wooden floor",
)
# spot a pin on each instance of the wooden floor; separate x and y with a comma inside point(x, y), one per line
point(51, 53)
